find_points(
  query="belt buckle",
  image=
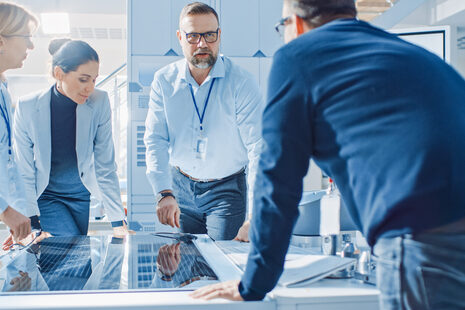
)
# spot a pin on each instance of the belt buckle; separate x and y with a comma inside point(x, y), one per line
point(195, 179)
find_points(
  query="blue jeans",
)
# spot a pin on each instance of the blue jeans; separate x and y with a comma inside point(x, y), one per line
point(62, 216)
point(421, 271)
point(215, 208)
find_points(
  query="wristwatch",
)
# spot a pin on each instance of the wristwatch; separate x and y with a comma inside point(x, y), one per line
point(162, 195)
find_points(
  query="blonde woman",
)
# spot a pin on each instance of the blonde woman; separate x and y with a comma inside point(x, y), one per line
point(16, 28)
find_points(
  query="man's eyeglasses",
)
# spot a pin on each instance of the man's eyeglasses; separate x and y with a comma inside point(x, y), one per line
point(195, 37)
point(279, 27)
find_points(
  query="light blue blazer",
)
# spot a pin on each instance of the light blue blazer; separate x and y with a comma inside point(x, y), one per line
point(94, 149)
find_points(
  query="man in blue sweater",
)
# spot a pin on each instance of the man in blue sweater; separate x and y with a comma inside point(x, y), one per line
point(386, 120)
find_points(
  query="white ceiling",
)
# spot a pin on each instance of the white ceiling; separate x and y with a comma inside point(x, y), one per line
point(101, 23)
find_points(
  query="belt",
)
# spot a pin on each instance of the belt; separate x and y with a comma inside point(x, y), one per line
point(207, 180)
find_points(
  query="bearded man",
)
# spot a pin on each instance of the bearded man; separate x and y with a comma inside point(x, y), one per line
point(203, 133)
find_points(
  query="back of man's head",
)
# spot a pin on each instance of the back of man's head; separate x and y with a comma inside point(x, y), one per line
point(319, 12)
point(197, 8)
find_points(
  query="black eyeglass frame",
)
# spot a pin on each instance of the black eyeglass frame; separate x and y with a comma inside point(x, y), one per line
point(282, 22)
point(202, 34)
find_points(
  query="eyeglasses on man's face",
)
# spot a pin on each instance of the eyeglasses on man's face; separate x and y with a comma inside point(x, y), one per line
point(195, 37)
point(283, 22)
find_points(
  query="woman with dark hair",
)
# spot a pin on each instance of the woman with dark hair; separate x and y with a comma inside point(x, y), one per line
point(65, 146)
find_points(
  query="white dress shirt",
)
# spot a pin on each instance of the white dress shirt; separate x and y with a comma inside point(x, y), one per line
point(232, 124)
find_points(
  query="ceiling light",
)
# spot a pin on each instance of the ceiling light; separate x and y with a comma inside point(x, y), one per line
point(55, 23)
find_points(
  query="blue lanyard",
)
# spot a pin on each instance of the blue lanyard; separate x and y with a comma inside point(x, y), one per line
point(206, 103)
point(7, 121)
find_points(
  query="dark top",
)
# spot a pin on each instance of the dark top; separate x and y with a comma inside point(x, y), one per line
point(64, 174)
point(384, 118)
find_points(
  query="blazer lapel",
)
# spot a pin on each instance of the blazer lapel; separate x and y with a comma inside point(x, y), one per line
point(43, 129)
point(83, 130)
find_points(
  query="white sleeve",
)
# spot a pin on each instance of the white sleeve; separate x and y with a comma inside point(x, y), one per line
point(24, 156)
point(249, 110)
point(157, 142)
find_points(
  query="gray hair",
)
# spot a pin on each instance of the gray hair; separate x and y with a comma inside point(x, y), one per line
point(319, 12)
point(198, 8)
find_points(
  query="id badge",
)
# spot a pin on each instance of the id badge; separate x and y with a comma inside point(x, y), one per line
point(201, 147)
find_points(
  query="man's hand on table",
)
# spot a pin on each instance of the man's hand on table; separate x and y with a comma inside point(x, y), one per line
point(168, 212)
point(226, 290)
point(243, 233)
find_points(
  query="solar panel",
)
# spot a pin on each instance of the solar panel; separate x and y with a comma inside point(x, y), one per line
point(96, 263)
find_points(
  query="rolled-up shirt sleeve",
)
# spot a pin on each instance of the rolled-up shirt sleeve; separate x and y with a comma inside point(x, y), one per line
point(156, 139)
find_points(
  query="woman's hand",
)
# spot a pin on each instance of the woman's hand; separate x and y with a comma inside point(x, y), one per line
point(21, 283)
point(32, 237)
point(20, 225)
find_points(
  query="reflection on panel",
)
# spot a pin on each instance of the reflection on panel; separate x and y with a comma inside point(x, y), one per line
point(155, 261)
point(165, 263)
point(239, 24)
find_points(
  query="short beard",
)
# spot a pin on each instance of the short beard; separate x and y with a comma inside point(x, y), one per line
point(203, 63)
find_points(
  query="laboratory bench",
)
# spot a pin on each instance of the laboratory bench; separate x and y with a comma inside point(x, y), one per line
point(145, 271)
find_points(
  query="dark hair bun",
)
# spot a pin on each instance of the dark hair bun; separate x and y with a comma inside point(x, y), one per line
point(55, 44)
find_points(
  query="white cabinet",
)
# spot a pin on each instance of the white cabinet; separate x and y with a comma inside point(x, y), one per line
point(140, 185)
point(148, 25)
point(269, 15)
point(251, 64)
point(265, 67)
point(240, 27)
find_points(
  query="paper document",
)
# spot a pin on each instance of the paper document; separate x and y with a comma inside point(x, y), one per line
point(302, 266)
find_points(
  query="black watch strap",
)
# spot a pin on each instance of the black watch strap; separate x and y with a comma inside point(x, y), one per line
point(35, 222)
point(162, 195)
